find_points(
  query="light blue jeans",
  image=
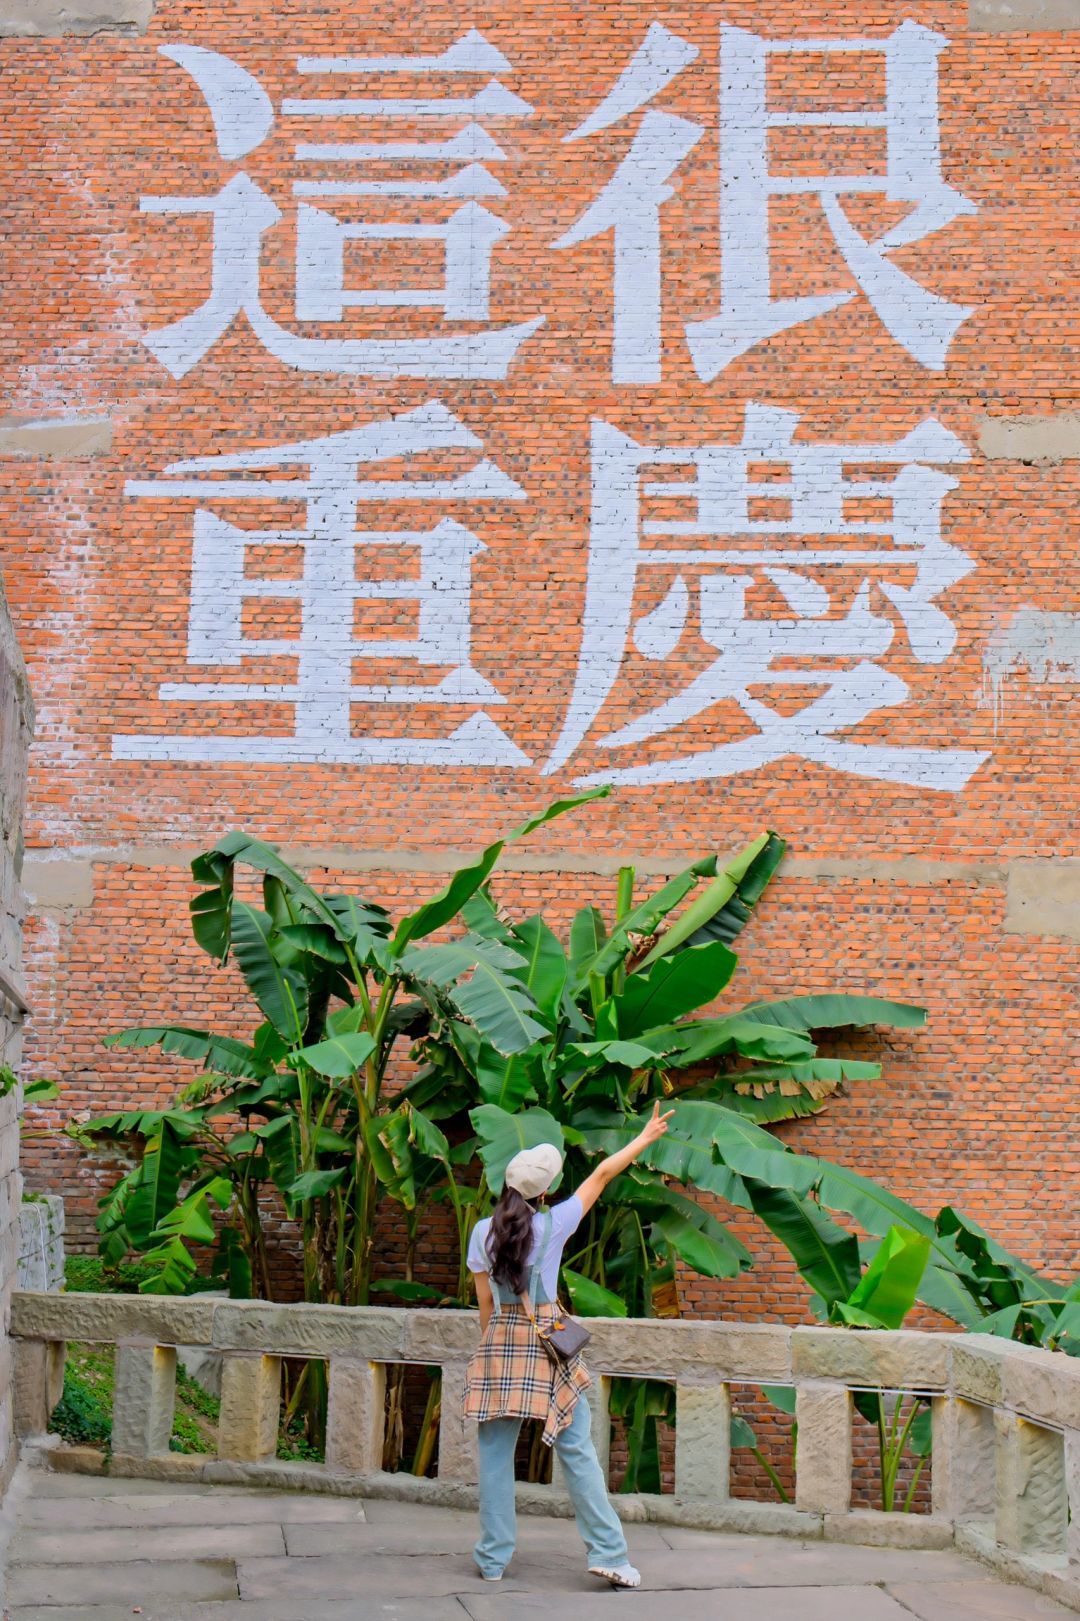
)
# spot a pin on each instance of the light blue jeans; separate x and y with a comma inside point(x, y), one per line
point(598, 1523)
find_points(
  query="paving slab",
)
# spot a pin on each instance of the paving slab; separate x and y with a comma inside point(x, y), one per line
point(383, 1576)
point(414, 1535)
point(745, 1561)
point(976, 1601)
point(757, 1604)
point(43, 1483)
point(377, 1609)
point(240, 1508)
point(117, 1544)
point(135, 1582)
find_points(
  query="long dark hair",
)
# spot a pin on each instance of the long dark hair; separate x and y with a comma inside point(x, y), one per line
point(509, 1239)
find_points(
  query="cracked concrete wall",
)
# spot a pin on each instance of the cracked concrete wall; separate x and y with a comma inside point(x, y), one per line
point(52, 19)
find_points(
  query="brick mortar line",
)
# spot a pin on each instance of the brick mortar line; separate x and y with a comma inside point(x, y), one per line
point(440, 862)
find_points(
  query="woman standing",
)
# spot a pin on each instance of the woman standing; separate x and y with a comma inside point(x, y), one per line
point(517, 1252)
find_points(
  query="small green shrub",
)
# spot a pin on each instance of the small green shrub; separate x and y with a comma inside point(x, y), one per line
point(83, 1414)
point(191, 1394)
point(88, 1275)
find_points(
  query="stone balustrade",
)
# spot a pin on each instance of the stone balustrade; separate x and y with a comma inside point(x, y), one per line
point(1005, 1476)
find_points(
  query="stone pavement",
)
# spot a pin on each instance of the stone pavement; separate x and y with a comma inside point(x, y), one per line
point(109, 1549)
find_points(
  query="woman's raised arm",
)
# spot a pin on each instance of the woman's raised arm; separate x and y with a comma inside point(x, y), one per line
point(608, 1169)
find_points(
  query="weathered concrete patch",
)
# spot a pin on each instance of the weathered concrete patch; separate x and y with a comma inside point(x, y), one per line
point(58, 885)
point(1043, 897)
point(54, 439)
point(51, 19)
point(1047, 438)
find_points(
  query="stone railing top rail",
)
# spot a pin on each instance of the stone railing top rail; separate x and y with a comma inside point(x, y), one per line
point(1042, 1385)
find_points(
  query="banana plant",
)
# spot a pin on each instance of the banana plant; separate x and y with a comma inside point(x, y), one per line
point(585, 1034)
point(332, 977)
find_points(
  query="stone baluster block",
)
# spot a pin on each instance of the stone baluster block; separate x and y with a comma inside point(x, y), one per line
point(38, 1383)
point(1072, 1487)
point(1031, 1509)
point(144, 1399)
point(459, 1457)
point(355, 1421)
point(962, 1483)
point(823, 1459)
point(250, 1407)
point(703, 1440)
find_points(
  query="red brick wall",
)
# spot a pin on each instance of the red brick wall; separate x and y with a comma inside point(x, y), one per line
point(957, 898)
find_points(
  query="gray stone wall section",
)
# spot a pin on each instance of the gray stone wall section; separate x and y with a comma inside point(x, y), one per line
point(1023, 16)
point(16, 730)
point(52, 19)
point(41, 1243)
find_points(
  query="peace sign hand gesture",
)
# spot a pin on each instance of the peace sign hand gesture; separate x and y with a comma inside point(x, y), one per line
point(655, 1127)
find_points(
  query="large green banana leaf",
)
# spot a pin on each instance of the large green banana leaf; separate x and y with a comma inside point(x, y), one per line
point(507, 1081)
point(281, 991)
point(641, 920)
point(889, 1287)
point(216, 1052)
point(829, 1012)
point(167, 1158)
point(673, 986)
point(698, 1238)
point(591, 1299)
point(501, 1009)
point(682, 1153)
point(338, 1056)
point(467, 880)
point(826, 1254)
point(725, 906)
point(216, 868)
point(546, 967)
point(698, 1040)
point(588, 931)
point(503, 1135)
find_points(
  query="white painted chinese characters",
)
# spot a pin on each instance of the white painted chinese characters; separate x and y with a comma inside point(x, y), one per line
point(813, 594)
point(242, 213)
point(323, 691)
point(761, 603)
point(630, 204)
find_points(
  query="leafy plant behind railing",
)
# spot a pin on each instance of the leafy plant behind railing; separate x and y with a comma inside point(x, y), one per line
point(521, 1037)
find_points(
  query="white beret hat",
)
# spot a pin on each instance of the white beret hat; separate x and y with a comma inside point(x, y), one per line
point(534, 1170)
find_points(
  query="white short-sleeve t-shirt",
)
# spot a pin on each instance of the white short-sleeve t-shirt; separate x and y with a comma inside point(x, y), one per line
point(565, 1219)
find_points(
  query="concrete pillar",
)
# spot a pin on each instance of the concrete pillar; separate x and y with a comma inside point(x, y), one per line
point(598, 1396)
point(459, 1457)
point(1031, 1507)
point(144, 1398)
point(355, 1420)
point(703, 1440)
point(963, 1467)
point(39, 1383)
point(1072, 1487)
point(823, 1455)
point(250, 1407)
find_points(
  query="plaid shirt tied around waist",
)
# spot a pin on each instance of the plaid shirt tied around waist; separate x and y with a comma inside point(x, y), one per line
point(510, 1376)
